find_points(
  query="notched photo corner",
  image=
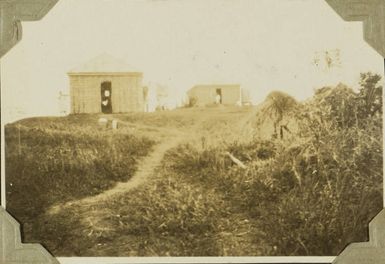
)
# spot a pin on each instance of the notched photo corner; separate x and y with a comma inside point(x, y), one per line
point(191, 128)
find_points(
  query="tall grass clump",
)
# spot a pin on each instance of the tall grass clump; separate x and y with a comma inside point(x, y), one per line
point(337, 167)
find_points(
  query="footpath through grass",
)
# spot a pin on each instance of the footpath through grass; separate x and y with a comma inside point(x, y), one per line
point(173, 214)
point(132, 223)
point(54, 160)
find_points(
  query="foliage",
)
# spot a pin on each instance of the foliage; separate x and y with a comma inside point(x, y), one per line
point(370, 95)
point(314, 195)
point(278, 106)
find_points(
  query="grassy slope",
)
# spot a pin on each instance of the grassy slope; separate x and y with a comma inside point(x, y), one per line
point(46, 154)
point(199, 203)
point(170, 215)
point(62, 159)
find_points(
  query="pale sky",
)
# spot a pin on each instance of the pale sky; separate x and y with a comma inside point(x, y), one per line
point(263, 45)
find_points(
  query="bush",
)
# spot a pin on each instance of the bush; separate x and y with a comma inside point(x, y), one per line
point(337, 187)
point(312, 195)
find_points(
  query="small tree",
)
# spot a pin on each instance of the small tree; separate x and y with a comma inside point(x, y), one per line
point(371, 93)
point(279, 106)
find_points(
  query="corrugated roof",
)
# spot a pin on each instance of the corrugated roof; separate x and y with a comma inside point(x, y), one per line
point(104, 63)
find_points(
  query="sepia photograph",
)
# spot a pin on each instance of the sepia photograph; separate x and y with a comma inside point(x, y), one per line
point(180, 128)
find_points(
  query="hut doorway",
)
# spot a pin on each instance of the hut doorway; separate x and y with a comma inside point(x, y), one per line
point(218, 97)
point(106, 104)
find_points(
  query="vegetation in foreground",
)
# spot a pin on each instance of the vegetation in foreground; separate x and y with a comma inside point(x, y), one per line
point(311, 193)
point(52, 162)
point(309, 190)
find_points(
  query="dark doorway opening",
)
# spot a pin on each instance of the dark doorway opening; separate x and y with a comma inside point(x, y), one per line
point(106, 104)
point(218, 98)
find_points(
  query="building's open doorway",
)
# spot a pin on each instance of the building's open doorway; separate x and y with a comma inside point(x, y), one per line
point(106, 104)
point(218, 97)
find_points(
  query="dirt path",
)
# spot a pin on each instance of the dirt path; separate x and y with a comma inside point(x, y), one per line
point(101, 218)
point(146, 168)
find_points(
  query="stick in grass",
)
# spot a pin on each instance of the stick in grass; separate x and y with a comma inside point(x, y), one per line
point(235, 160)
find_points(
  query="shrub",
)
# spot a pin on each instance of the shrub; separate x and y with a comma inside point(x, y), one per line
point(312, 195)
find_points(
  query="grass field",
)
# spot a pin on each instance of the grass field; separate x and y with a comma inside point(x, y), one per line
point(294, 194)
point(51, 160)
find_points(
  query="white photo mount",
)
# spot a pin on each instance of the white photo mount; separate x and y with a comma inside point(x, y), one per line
point(12, 12)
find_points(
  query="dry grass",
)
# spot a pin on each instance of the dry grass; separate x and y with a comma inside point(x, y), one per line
point(309, 193)
point(63, 159)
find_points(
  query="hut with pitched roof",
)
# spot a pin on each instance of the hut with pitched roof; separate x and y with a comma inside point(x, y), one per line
point(106, 85)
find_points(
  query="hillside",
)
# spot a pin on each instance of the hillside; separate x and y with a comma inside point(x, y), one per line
point(283, 178)
point(63, 159)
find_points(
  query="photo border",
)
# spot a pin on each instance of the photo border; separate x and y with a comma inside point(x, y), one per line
point(12, 12)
